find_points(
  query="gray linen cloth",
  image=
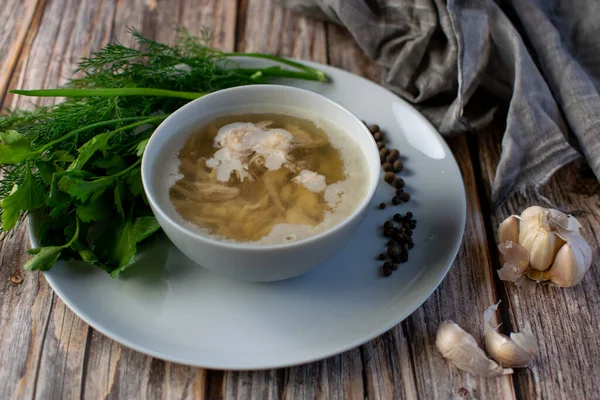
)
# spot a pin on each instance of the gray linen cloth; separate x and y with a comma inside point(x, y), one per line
point(457, 60)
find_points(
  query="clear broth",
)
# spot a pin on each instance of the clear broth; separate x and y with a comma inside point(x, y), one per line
point(247, 210)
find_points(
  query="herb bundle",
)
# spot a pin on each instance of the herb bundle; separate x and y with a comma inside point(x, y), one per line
point(77, 164)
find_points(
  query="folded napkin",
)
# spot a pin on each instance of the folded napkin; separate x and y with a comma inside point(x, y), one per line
point(457, 60)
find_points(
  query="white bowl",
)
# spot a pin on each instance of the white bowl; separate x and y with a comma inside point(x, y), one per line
point(252, 262)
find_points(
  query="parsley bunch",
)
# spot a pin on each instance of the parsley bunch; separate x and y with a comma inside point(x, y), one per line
point(77, 164)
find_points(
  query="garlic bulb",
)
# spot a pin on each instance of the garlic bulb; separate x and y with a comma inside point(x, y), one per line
point(518, 350)
point(461, 348)
point(536, 235)
point(546, 247)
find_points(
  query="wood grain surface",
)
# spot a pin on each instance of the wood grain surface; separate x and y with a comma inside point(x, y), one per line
point(46, 352)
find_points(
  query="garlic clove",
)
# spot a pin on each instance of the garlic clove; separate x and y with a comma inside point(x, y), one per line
point(532, 212)
point(462, 350)
point(505, 350)
point(571, 262)
point(535, 235)
point(516, 261)
point(509, 230)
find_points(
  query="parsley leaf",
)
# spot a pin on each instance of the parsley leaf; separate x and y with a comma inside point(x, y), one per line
point(26, 197)
point(14, 148)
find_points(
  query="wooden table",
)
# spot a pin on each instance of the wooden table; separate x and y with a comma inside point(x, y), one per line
point(47, 352)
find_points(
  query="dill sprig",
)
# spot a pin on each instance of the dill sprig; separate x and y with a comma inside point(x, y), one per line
point(76, 164)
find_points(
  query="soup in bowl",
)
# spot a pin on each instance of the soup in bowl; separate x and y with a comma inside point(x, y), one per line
point(260, 182)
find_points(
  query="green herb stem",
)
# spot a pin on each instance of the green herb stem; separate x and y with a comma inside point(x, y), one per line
point(114, 92)
point(278, 72)
point(319, 75)
point(144, 120)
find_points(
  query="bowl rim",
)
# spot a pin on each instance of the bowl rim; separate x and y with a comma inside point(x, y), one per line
point(147, 164)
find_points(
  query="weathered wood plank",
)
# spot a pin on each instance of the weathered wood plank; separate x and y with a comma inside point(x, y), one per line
point(404, 362)
point(565, 320)
point(50, 338)
point(16, 18)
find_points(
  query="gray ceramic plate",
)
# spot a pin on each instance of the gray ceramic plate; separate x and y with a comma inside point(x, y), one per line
point(170, 308)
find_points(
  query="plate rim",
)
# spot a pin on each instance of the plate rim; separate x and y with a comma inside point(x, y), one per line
point(336, 351)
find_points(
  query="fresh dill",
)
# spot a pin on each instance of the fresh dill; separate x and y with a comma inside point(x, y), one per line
point(76, 164)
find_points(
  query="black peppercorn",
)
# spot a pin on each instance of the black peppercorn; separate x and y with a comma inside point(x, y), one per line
point(387, 272)
point(388, 232)
point(378, 136)
point(405, 197)
point(412, 224)
point(397, 217)
point(398, 238)
point(410, 245)
point(387, 167)
point(390, 242)
point(394, 267)
point(374, 128)
point(389, 224)
point(396, 200)
point(409, 232)
point(382, 256)
point(381, 145)
point(404, 257)
point(394, 251)
point(398, 183)
point(382, 206)
point(389, 177)
point(408, 215)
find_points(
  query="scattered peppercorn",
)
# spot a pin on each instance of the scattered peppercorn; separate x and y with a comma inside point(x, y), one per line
point(398, 166)
point(374, 128)
point(399, 229)
point(398, 183)
point(394, 251)
point(389, 177)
